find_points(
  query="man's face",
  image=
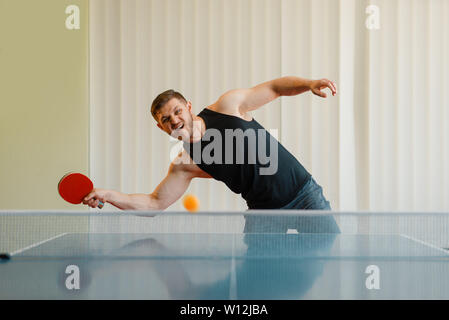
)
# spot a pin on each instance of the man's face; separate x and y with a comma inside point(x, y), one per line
point(175, 118)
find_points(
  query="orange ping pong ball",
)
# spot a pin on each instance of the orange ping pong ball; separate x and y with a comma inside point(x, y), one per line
point(191, 203)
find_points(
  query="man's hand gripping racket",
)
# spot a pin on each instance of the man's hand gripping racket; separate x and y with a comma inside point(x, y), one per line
point(74, 187)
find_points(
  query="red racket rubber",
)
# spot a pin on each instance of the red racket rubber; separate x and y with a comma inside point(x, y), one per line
point(74, 187)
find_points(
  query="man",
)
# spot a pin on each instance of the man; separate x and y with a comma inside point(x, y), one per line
point(281, 184)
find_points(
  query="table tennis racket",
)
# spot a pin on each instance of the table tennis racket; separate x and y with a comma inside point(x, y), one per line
point(74, 187)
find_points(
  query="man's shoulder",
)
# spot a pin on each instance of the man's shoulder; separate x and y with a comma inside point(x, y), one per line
point(216, 107)
point(228, 110)
point(230, 101)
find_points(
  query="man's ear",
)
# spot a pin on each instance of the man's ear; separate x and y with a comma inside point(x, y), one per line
point(189, 105)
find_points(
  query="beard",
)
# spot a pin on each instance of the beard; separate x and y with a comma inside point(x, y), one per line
point(186, 132)
point(191, 132)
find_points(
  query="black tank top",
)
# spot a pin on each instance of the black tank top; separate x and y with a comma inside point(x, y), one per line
point(256, 166)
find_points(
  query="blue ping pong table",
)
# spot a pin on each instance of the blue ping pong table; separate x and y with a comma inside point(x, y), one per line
point(226, 266)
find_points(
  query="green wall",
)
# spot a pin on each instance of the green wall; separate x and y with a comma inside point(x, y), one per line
point(44, 110)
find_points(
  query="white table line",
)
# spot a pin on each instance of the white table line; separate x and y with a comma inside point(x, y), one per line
point(37, 244)
point(425, 243)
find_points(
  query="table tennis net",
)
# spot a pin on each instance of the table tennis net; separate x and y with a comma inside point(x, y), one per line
point(20, 230)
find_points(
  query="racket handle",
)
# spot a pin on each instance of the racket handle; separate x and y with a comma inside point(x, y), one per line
point(100, 205)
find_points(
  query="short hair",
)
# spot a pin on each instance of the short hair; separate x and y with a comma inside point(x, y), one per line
point(163, 98)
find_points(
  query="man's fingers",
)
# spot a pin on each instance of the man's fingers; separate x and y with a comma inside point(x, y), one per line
point(94, 203)
point(329, 84)
point(322, 84)
point(320, 93)
point(89, 196)
point(334, 86)
point(93, 200)
point(89, 200)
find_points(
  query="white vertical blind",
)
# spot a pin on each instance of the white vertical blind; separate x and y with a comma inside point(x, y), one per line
point(346, 125)
point(382, 144)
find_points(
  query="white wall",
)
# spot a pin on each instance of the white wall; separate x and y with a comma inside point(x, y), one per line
point(381, 144)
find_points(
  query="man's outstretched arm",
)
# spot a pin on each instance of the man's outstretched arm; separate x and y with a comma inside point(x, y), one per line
point(166, 193)
point(245, 100)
